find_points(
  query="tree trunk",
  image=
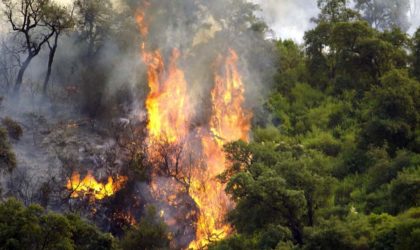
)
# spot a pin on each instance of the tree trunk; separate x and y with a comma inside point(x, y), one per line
point(310, 212)
point(22, 70)
point(50, 63)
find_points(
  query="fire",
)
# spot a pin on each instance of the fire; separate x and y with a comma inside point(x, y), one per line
point(89, 186)
point(229, 122)
point(169, 113)
point(167, 102)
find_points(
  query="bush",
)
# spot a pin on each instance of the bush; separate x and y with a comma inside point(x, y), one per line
point(7, 157)
point(34, 228)
point(405, 190)
point(14, 129)
point(150, 233)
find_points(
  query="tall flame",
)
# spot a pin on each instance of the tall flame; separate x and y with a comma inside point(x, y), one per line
point(169, 119)
point(89, 186)
point(167, 102)
point(229, 122)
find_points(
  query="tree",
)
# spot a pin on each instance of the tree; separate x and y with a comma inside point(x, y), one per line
point(27, 19)
point(33, 228)
point(334, 11)
point(405, 190)
point(351, 55)
point(393, 113)
point(275, 184)
point(385, 14)
point(93, 19)
point(86, 236)
point(416, 54)
point(58, 19)
point(9, 64)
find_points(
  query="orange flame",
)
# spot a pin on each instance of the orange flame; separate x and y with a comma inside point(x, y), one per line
point(167, 102)
point(90, 187)
point(169, 119)
point(229, 122)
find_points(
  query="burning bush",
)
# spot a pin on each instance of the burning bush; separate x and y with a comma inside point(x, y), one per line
point(7, 157)
point(13, 128)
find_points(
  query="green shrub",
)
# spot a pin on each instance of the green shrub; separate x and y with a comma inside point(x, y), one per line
point(35, 228)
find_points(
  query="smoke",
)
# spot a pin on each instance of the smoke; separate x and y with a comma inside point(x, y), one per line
point(289, 19)
point(414, 16)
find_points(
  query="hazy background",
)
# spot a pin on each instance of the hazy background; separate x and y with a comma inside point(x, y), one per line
point(289, 19)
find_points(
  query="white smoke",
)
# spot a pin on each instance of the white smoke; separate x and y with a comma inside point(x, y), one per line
point(289, 19)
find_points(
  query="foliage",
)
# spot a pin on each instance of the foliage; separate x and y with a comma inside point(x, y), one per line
point(34, 228)
point(337, 166)
point(334, 162)
point(393, 111)
point(13, 128)
point(7, 156)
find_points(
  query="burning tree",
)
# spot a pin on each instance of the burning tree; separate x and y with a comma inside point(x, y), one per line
point(193, 155)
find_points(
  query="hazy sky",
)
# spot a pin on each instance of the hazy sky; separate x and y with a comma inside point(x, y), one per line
point(291, 18)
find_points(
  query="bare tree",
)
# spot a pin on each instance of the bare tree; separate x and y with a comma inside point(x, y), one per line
point(9, 64)
point(172, 160)
point(27, 19)
point(58, 19)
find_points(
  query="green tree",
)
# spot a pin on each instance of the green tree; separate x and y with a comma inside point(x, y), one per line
point(33, 228)
point(334, 11)
point(405, 190)
point(392, 116)
point(86, 236)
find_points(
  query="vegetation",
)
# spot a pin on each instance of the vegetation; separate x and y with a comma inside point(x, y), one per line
point(334, 161)
point(7, 156)
point(13, 128)
point(34, 228)
point(339, 165)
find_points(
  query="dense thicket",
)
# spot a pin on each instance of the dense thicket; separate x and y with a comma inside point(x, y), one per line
point(338, 165)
